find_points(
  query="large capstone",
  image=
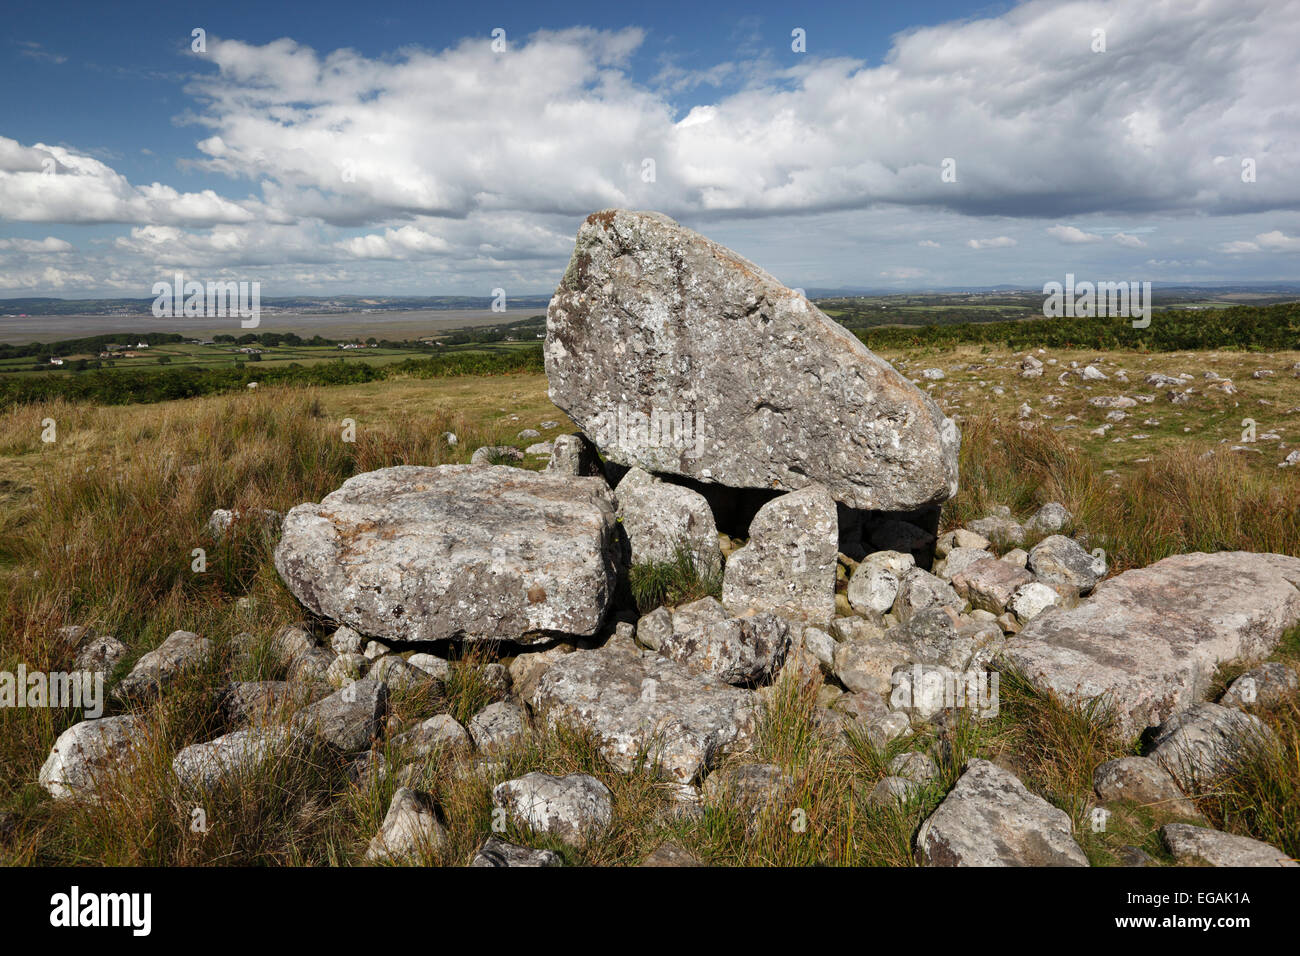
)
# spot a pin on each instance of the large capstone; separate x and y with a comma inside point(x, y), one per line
point(675, 354)
point(457, 551)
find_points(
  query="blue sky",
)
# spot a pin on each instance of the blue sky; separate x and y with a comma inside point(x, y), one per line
point(386, 148)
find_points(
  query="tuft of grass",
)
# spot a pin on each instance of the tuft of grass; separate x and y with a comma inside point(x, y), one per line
point(676, 581)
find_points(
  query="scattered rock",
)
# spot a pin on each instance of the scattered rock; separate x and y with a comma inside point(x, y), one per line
point(1151, 638)
point(442, 733)
point(495, 455)
point(266, 700)
point(572, 808)
point(1204, 740)
point(240, 753)
point(349, 718)
point(684, 720)
point(1143, 781)
point(1061, 561)
point(1049, 519)
point(873, 587)
point(1264, 685)
point(180, 652)
point(1201, 846)
point(989, 583)
point(411, 829)
point(99, 653)
point(670, 854)
point(499, 853)
point(990, 819)
point(498, 726)
point(87, 753)
point(920, 590)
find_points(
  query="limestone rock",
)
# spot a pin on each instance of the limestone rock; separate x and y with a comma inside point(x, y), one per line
point(1204, 740)
point(410, 829)
point(678, 356)
point(573, 808)
point(738, 650)
point(1151, 638)
point(491, 553)
point(1195, 845)
point(990, 819)
point(788, 566)
point(497, 852)
point(683, 720)
point(1143, 781)
point(181, 651)
point(87, 752)
point(661, 518)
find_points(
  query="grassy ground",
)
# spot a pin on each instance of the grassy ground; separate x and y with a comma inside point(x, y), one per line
point(98, 526)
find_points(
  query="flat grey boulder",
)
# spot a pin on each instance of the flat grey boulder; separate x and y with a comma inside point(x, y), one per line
point(153, 672)
point(661, 518)
point(573, 808)
point(411, 829)
point(634, 704)
point(989, 583)
point(1061, 561)
point(677, 355)
point(1142, 781)
point(246, 751)
point(1201, 846)
point(1150, 639)
point(348, 718)
point(738, 650)
point(480, 553)
point(788, 566)
point(498, 853)
point(990, 819)
point(88, 752)
point(498, 726)
point(442, 733)
point(1205, 740)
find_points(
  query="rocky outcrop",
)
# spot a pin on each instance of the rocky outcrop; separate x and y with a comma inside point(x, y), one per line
point(677, 355)
point(1150, 639)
